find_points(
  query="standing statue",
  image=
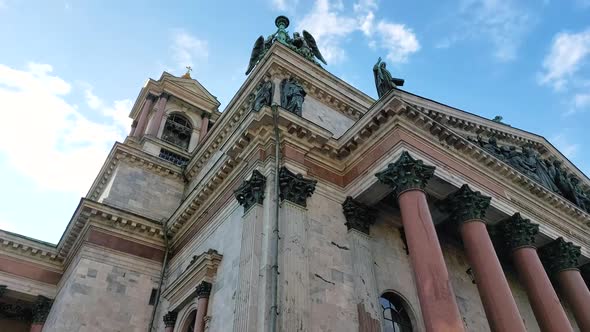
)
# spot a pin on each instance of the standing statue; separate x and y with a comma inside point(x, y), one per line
point(306, 46)
point(263, 96)
point(563, 183)
point(383, 79)
point(292, 96)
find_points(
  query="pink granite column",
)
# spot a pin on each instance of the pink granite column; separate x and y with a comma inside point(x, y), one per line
point(203, 292)
point(143, 116)
point(204, 126)
point(518, 235)
point(408, 178)
point(560, 259)
point(467, 208)
point(157, 119)
point(170, 321)
point(40, 312)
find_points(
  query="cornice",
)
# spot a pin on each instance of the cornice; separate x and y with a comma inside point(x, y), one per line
point(125, 152)
point(203, 268)
point(116, 219)
point(467, 123)
point(20, 246)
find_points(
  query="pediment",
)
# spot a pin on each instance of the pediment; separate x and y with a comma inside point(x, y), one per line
point(479, 130)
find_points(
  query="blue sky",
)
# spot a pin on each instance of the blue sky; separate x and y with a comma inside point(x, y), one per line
point(70, 71)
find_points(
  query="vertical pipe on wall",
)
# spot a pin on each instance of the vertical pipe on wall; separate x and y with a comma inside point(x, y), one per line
point(274, 309)
point(164, 264)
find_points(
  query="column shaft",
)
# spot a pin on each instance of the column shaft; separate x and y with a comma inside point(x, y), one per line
point(204, 128)
point(577, 295)
point(202, 304)
point(496, 297)
point(157, 119)
point(437, 301)
point(143, 117)
point(169, 329)
point(542, 297)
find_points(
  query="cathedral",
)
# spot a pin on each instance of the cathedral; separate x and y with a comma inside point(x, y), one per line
point(307, 205)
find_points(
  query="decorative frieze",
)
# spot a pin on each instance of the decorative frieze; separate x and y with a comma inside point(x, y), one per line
point(358, 215)
point(465, 204)
point(294, 187)
point(559, 255)
point(170, 319)
point(251, 191)
point(41, 309)
point(204, 289)
point(406, 173)
point(515, 232)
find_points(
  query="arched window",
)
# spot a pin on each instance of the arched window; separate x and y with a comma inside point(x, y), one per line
point(177, 131)
point(395, 316)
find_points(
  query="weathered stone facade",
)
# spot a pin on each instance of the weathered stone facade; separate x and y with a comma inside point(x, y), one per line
point(197, 226)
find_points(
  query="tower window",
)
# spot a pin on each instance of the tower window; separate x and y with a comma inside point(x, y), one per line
point(177, 131)
point(395, 316)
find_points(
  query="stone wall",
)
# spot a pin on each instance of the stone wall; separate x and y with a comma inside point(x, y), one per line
point(104, 290)
point(223, 233)
point(143, 192)
point(325, 117)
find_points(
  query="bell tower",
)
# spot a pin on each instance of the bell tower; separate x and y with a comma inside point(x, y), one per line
point(172, 116)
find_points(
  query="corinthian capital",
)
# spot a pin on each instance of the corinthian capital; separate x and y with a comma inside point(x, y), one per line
point(294, 187)
point(465, 204)
point(406, 173)
point(515, 232)
point(251, 191)
point(358, 215)
point(559, 255)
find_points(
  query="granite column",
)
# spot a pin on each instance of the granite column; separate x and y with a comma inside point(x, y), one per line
point(560, 259)
point(408, 178)
point(144, 115)
point(159, 115)
point(203, 292)
point(518, 235)
point(467, 209)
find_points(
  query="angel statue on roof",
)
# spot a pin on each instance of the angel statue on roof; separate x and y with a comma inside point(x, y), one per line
point(304, 44)
point(384, 82)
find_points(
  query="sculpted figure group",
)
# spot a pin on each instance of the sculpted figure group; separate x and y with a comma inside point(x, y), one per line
point(547, 172)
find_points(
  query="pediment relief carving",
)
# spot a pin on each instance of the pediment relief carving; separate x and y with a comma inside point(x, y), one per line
point(201, 268)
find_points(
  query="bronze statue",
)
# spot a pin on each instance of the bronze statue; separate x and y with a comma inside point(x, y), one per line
point(383, 79)
point(263, 95)
point(292, 96)
point(306, 46)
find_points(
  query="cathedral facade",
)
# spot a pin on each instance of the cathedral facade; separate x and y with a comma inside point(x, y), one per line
point(306, 205)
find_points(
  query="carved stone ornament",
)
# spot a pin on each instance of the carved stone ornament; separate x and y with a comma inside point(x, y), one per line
point(294, 187)
point(20, 311)
point(2, 290)
point(465, 204)
point(406, 173)
point(515, 232)
point(358, 215)
point(251, 191)
point(170, 319)
point(292, 96)
point(41, 309)
point(548, 173)
point(559, 255)
point(204, 289)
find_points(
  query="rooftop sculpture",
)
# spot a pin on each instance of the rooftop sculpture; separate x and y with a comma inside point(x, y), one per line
point(304, 45)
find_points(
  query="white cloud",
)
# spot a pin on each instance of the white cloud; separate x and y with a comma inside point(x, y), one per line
point(501, 22)
point(46, 138)
point(567, 55)
point(562, 144)
point(399, 41)
point(188, 50)
point(330, 27)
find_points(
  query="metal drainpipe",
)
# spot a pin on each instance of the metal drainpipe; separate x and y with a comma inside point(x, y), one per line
point(274, 309)
point(164, 265)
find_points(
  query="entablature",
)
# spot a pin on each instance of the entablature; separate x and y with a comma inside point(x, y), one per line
point(29, 249)
point(114, 219)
